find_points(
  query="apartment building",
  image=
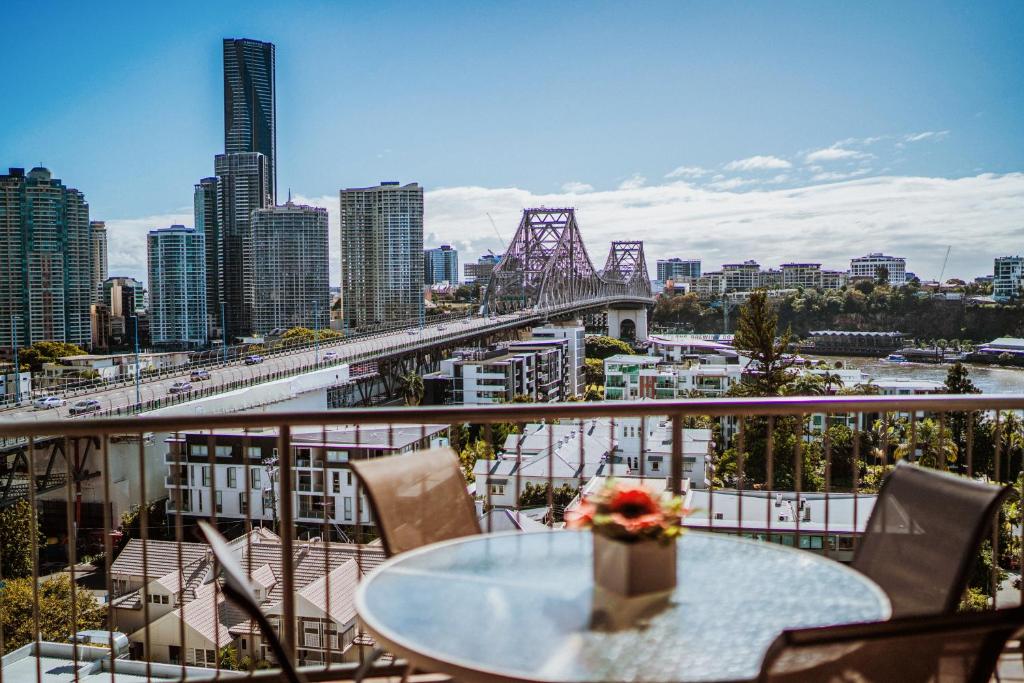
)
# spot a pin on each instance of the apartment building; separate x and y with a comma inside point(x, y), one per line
point(677, 269)
point(806, 275)
point(870, 267)
point(742, 277)
point(244, 469)
point(1008, 278)
point(711, 284)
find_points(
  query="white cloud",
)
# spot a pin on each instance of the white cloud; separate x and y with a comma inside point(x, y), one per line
point(834, 154)
point(732, 183)
point(831, 175)
point(933, 134)
point(757, 163)
point(576, 187)
point(824, 222)
point(634, 182)
point(687, 172)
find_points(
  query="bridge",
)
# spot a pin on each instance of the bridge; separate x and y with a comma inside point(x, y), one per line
point(546, 275)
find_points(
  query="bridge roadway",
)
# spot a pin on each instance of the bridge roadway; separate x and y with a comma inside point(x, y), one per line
point(366, 348)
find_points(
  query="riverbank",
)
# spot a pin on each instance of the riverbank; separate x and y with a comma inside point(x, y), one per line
point(990, 379)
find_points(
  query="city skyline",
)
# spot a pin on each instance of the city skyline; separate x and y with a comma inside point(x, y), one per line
point(896, 159)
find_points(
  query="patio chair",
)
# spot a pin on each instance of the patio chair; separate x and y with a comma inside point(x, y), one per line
point(923, 536)
point(417, 498)
point(954, 648)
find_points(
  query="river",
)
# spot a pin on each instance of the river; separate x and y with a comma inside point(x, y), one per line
point(991, 380)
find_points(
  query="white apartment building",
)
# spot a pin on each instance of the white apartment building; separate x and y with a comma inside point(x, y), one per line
point(742, 277)
point(577, 352)
point(1008, 278)
point(867, 267)
point(629, 377)
point(244, 475)
point(711, 284)
point(806, 275)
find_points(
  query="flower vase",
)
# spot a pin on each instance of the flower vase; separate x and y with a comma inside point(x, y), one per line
point(637, 568)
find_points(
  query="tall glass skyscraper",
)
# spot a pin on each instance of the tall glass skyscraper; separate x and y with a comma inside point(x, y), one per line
point(208, 223)
point(441, 265)
point(46, 250)
point(290, 268)
point(177, 287)
point(382, 255)
point(243, 188)
point(250, 104)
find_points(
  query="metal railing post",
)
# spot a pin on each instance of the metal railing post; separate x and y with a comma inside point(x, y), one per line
point(287, 536)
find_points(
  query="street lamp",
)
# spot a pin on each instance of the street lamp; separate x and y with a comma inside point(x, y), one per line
point(138, 378)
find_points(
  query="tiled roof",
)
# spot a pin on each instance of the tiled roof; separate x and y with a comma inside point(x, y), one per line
point(160, 557)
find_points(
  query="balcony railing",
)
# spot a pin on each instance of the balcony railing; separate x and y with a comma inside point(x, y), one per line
point(769, 473)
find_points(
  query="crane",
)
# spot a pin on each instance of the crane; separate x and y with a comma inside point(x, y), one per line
point(495, 226)
point(944, 261)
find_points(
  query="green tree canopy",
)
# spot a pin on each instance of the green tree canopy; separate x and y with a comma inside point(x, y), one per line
point(757, 336)
point(410, 387)
point(55, 623)
point(308, 336)
point(601, 347)
point(47, 352)
point(593, 372)
point(16, 525)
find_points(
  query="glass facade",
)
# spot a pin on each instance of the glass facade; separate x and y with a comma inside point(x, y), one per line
point(250, 102)
point(177, 287)
point(441, 265)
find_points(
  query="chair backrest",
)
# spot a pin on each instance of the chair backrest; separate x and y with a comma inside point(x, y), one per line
point(923, 535)
point(958, 648)
point(417, 498)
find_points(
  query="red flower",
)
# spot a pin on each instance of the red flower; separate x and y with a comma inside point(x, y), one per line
point(582, 517)
point(634, 525)
point(630, 502)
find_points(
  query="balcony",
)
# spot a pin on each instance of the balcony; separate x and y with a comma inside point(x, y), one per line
point(772, 479)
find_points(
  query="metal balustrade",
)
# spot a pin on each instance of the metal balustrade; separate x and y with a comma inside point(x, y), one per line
point(328, 525)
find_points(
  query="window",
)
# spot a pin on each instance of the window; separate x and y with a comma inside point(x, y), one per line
point(232, 477)
point(655, 465)
point(268, 504)
point(254, 479)
point(348, 507)
point(223, 451)
point(337, 456)
point(206, 476)
point(218, 498)
point(254, 452)
point(305, 481)
point(348, 478)
point(336, 482)
point(243, 503)
point(196, 449)
point(497, 489)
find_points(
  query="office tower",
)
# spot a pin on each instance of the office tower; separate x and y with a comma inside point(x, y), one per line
point(290, 268)
point(1008, 278)
point(242, 189)
point(99, 258)
point(250, 103)
point(208, 223)
point(177, 287)
point(122, 296)
point(677, 268)
point(46, 250)
point(382, 255)
point(441, 265)
point(481, 270)
point(868, 267)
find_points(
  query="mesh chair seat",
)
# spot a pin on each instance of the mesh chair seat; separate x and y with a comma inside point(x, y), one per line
point(923, 535)
point(417, 498)
point(961, 648)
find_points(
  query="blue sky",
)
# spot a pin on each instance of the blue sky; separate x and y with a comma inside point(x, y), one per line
point(593, 104)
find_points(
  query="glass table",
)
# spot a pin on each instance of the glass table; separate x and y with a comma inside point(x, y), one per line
point(523, 607)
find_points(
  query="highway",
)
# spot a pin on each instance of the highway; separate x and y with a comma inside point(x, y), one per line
point(360, 349)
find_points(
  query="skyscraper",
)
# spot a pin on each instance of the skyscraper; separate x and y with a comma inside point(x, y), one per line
point(290, 268)
point(675, 268)
point(250, 104)
point(382, 255)
point(208, 223)
point(99, 258)
point(123, 297)
point(177, 287)
point(441, 265)
point(46, 250)
point(243, 188)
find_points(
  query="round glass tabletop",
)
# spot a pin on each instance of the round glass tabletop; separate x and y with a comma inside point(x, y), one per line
point(523, 606)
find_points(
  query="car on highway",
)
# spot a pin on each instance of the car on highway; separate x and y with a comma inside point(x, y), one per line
point(89, 405)
point(199, 375)
point(180, 388)
point(47, 402)
point(254, 359)
point(331, 355)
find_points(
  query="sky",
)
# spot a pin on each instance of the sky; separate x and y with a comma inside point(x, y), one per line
point(724, 131)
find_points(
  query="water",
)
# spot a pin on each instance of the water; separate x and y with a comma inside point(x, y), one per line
point(991, 380)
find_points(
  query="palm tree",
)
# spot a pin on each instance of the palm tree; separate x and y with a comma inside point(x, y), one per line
point(934, 445)
point(806, 384)
point(410, 386)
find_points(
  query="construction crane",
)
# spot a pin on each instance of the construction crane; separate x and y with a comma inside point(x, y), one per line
point(944, 262)
point(495, 226)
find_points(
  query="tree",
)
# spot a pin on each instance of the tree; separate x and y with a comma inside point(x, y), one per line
point(537, 496)
point(228, 657)
point(478, 450)
point(958, 381)
point(304, 335)
point(55, 623)
point(882, 275)
point(410, 386)
point(47, 352)
point(601, 347)
point(16, 522)
point(757, 337)
point(932, 442)
point(593, 372)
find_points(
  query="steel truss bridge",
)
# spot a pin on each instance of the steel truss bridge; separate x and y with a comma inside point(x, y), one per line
point(546, 267)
